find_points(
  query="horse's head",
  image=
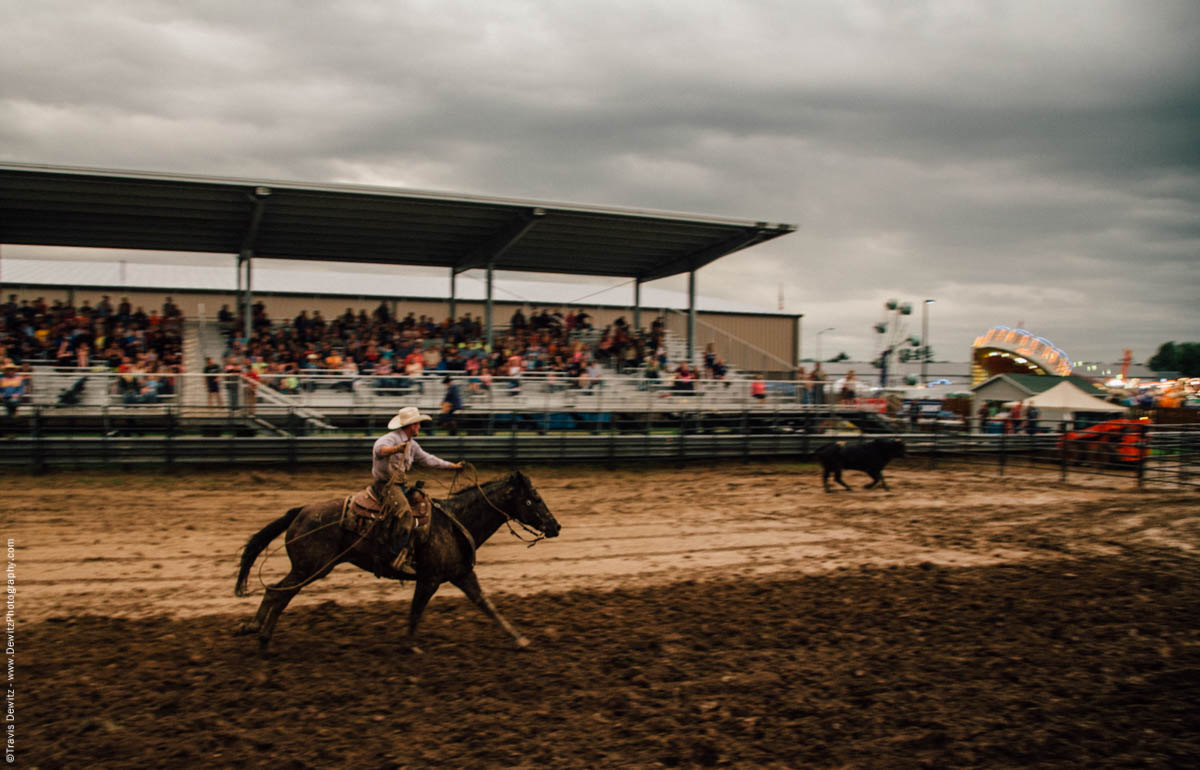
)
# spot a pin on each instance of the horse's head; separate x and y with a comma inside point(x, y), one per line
point(527, 507)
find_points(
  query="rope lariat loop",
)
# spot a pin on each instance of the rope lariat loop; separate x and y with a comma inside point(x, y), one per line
point(508, 519)
point(315, 575)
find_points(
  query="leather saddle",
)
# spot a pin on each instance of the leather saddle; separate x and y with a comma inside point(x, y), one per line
point(363, 514)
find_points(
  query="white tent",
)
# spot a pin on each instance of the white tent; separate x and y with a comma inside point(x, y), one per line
point(1064, 400)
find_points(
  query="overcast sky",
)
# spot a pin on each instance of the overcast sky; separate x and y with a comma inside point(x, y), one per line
point(1020, 162)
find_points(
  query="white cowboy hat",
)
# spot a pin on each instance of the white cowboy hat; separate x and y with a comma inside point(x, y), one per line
point(407, 416)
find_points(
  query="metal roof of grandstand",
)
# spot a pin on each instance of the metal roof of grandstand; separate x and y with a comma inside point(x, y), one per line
point(66, 206)
point(115, 277)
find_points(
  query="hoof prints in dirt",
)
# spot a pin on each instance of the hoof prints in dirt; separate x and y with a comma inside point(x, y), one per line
point(1074, 663)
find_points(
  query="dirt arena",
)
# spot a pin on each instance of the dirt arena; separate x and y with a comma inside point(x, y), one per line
point(723, 615)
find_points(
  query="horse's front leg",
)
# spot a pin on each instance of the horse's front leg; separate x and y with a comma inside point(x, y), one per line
point(469, 585)
point(422, 593)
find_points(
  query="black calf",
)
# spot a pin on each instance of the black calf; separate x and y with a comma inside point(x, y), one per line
point(870, 458)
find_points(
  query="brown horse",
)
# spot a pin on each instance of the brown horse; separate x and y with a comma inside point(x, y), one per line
point(316, 543)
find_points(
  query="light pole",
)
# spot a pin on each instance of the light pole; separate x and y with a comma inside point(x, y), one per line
point(829, 329)
point(925, 342)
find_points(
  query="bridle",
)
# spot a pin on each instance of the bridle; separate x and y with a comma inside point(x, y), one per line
point(536, 534)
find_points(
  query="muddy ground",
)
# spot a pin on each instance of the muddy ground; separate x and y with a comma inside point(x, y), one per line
point(705, 615)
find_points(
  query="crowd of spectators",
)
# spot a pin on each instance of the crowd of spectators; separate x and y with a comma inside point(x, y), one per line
point(565, 350)
point(401, 352)
point(145, 348)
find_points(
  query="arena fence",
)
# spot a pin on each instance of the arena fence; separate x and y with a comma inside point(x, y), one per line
point(1158, 456)
point(75, 418)
point(1149, 455)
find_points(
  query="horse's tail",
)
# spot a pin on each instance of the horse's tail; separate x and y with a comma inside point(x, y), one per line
point(256, 544)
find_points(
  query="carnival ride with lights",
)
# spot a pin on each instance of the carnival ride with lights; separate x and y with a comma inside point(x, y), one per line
point(1004, 350)
point(894, 340)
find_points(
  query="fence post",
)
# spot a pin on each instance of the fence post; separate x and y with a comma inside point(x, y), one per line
point(36, 434)
point(1143, 454)
point(934, 450)
point(1183, 452)
point(170, 453)
point(292, 438)
point(1062, 432)
point(1003, 449)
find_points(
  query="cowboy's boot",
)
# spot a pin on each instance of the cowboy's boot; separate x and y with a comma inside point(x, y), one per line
point(403, 562)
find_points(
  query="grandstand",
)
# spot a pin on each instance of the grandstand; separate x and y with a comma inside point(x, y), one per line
point(126, 358)
point(261, 390)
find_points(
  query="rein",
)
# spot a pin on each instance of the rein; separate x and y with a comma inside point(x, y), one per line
point(508, 519)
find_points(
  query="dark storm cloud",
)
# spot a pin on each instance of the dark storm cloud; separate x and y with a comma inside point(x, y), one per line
point(1018, 161)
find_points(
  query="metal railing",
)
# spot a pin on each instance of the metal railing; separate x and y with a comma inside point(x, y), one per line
point(318, 391)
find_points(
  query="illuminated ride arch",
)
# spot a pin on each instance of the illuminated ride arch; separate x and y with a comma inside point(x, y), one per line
point(1002, 350)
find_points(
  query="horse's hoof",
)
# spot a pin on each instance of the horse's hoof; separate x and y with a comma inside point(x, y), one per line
point(523, 642)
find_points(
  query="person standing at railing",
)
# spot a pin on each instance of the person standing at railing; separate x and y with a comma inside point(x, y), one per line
point(253, 374)
point(452, 402)
point(802, 385)
point(1014, 418)
point(212, 381)
point(1032, 413)
point(818, 384)
point(233, 380)
point(848, 390)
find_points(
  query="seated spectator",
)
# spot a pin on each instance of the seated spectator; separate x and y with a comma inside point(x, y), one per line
point(349, 372)
point(685, 379)
point(719, 370)
point(595, 375)
point(414, 370)
point(650, 375)
point(147, 393)
point(383, 375)
point(289, 381)
point(12, 388)
point(758, 388)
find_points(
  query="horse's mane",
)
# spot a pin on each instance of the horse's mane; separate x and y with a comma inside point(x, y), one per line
point(488, 487)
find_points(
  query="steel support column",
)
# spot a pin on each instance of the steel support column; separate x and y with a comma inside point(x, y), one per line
point(453, 295)
point(246, 256)
point(799, 351)
point(487, 309)
point(691, 325)
point(246, 259)
point(637, 305)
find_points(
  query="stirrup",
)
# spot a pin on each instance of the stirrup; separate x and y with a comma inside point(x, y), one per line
point(403, 562)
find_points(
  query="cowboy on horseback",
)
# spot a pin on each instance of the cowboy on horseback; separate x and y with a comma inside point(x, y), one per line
point(392, 456)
